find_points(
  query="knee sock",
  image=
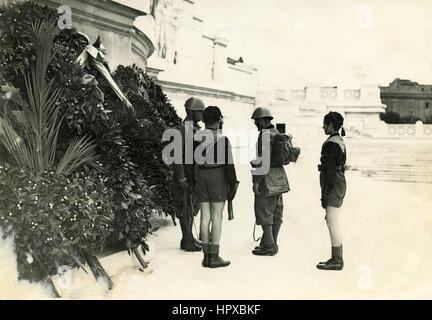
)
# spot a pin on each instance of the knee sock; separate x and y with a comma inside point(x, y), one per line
point(267, 235)
point(337, 252)
point(275, 231)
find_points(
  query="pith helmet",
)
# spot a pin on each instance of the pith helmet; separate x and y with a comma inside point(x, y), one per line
point(194, 104)
point(261, 113)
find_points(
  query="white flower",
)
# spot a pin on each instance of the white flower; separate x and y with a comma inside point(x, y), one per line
point(29, 258)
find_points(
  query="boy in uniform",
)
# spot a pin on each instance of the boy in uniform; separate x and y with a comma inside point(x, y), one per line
point(333, 185)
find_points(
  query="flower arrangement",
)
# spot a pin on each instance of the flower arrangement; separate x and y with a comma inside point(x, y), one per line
point(64, 212)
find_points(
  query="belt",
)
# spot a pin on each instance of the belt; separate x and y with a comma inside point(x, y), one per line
point(338, 168)
point(210, 167)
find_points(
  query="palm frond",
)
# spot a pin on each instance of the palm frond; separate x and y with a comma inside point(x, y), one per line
point(34, 146)
point(14, 144)
point(81, 151)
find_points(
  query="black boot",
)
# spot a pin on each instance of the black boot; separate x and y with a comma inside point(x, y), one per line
point(215, 261)
point(188, 242)
point(260, 244)
point(206, 250)
point(336, 261)
point(190, 222)
point(267, 246)
point(333, 254)
point(184, 230)
point(190, 245)
point(266, 250)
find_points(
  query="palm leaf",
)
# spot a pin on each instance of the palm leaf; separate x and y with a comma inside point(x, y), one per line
point(79, 152)
point(34, 145)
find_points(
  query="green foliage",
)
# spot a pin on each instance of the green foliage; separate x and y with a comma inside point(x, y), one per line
point(410, 119)
point(56, 220)
point(129, 140)
point(17, 50)
point(153, 115)
point(390, 117)
point(34, 145)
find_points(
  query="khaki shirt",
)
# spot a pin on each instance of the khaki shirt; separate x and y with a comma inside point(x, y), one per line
point(275, 181)
point(185, 170)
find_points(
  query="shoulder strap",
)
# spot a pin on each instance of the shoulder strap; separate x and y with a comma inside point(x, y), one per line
point(338, 140)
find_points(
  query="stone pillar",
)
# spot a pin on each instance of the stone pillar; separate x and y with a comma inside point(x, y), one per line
point(419, 133)
point(219, 59)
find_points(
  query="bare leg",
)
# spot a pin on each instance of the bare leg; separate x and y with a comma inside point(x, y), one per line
point(215, 261)
point(205, 221)
point(333, 224)
point(216, 221)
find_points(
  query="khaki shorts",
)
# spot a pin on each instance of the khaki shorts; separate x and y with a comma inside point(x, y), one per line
point(211, 185)
point(337, 194)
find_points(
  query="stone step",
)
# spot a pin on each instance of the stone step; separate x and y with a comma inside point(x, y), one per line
point(410, 170)
point(388, 147)
point(403, 179)
point(394, 165)
point(395, 174)
point(406, 162)
point(418, 166)
point(403, 155)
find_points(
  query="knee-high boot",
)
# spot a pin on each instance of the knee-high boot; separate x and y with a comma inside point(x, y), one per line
point(187, 242)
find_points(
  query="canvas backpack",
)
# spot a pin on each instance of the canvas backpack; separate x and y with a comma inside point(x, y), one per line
point(283, 151)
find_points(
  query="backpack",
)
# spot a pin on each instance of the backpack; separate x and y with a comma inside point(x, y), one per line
point(283, 151)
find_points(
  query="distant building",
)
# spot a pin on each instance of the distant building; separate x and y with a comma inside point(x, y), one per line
point(191, 59)
point(408, 99)
point(172, 43)
point(360, 106)
point(114, 23)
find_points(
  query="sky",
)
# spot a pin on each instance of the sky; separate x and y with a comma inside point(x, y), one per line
point(294, 43)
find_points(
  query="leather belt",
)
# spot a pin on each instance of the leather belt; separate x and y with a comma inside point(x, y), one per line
point(338, 168)
point(210, 167)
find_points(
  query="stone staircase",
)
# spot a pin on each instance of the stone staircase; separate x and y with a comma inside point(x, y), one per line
point(391, 159)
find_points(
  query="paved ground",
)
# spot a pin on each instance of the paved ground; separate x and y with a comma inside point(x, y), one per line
point(388, 246)
point(387, 251)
